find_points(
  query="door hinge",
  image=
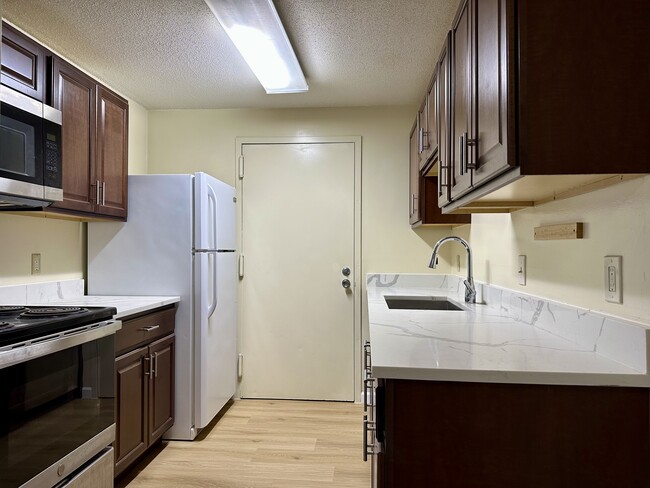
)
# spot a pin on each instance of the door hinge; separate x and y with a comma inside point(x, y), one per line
point(241, 167)
point(240, 365)
point(241, 266)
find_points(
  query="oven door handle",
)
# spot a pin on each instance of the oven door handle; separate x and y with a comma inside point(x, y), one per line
point(44, 345)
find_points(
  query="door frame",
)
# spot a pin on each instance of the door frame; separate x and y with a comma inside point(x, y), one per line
point(357, 285)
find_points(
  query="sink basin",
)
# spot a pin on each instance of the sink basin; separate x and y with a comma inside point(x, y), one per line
point(421, 303)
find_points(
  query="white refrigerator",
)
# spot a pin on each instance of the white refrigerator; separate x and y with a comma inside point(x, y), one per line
point(179, 240)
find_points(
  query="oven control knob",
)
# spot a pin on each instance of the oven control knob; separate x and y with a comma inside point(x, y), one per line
point(60, 470)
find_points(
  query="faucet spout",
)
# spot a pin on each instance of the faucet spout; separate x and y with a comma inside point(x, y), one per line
point(470, 289)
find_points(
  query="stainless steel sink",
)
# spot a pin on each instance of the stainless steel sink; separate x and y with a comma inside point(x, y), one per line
point(421, 303)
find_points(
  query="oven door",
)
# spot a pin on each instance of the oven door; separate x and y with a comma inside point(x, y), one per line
point(57, 405)
point(30, 150)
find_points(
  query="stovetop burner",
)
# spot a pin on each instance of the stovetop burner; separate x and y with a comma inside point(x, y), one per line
point(19, 323)
point(44, 312)
point(10, 310)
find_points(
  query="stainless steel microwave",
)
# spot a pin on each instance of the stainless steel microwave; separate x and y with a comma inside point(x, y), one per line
point(30, 152)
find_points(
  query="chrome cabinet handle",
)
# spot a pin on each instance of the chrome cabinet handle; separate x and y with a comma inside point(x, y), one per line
point(473, 143)
point(153, 370)
point(461, 152)
point(104, 193)
point(367, 393)
point(346, 284)
point(147, 367)
point(368, 426)
point(97, 190)
point(155, 357)
point(149, 328)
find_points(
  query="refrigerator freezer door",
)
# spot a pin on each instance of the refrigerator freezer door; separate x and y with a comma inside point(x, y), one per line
point(216, 338)
point(215, 214)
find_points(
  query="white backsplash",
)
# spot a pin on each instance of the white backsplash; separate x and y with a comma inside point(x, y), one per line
point(40, 292)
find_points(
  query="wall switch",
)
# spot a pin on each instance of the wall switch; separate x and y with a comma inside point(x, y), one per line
point(36, 264)
point(613, 279)
point(521, 270)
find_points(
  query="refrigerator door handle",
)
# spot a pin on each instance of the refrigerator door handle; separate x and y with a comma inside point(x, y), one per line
point(213, 305)
point(212, 198)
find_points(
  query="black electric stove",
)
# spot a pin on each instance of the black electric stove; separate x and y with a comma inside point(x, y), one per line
point(23, 323)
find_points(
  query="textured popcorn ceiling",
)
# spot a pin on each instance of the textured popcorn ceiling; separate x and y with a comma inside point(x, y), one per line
point(174, 54)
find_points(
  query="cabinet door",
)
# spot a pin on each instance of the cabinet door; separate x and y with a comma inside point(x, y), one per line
point(74, 94)
point(444, 97)
point(112, 152)
point(461, 177)
point(23, 63)
point(488, 150)
point(414, 176)
point(431, 135)
point(161, 406)
point(423, 131)
point(132, 373)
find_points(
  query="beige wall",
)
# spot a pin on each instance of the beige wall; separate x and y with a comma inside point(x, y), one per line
point(204, 140)
point(617, 222)
point(61, 243)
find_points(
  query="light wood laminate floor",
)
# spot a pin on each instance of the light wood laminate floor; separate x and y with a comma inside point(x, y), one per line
point(264, 443)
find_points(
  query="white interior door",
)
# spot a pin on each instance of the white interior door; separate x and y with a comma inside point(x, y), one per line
point(298, 233)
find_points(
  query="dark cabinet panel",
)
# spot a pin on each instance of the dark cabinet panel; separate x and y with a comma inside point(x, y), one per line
point(488, 141)
point(74, 95)
point(112, 152)
point(161, 411)
point(461, 176)
point(23, 63)
point(414, 175)
point(458, 435)
point(132, 387)
point(444, 125)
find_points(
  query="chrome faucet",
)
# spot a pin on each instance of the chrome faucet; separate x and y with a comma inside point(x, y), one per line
point(470, 290)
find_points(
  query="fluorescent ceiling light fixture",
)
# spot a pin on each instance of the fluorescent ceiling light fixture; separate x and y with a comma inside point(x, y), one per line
point(255, 28)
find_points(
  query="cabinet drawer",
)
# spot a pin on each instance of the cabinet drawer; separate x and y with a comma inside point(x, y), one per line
point(144, 329)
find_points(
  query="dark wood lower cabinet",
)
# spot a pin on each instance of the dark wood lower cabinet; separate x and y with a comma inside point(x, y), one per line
point(464, 435)
point(144, 379)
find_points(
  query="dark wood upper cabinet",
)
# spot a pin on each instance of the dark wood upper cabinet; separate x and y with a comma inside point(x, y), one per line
point(488, 138)
point(112, 152)
point(95, 145)
point(444, 125)
point(74, 94)
point(414, 174)
point(94, 131)
point(545, 101)
point(23, 63)
point(461, 177)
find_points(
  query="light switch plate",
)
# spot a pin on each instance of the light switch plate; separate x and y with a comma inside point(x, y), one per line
point(521, 270)
point(36, 263)
point(613, 285)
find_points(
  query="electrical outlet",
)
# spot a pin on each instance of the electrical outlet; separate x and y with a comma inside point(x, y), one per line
point(521, 270)
point(36, 263)
point(613, 279)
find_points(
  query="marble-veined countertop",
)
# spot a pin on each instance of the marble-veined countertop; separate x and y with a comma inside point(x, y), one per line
point(126, 305)
point(511, 338)
point(71, 293)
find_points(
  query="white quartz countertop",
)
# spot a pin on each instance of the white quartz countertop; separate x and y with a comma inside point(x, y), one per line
point(512, 338)
point(126, 305)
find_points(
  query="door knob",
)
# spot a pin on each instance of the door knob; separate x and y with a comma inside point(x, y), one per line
point(346, 271)
point(345, 283)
